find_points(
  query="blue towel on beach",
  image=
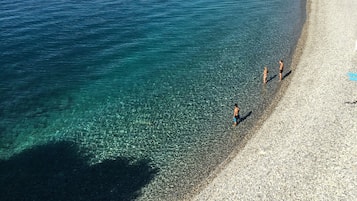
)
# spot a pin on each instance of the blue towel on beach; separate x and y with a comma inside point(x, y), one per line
point(353, 76)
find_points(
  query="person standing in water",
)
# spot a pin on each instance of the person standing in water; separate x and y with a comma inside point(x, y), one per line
point(281, 68)
point(265, 75)
point(236, 116)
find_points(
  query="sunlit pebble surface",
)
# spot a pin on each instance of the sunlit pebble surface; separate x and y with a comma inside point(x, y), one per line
point(306, 150)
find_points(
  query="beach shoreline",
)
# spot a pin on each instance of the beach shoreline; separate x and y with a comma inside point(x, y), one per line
point(266, 113)
point(254, 156)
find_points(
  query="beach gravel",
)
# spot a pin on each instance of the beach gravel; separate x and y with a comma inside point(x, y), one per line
point(307, 148)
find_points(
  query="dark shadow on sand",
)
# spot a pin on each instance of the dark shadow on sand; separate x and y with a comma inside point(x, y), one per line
point(352, 103)
point(271, 78)
point(57, 172)
point(287, 74)
point(243, 118)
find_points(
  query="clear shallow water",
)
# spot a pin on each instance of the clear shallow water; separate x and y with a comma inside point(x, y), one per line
point(140, 80)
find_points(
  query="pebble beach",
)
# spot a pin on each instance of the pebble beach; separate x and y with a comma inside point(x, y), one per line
point(306, 149)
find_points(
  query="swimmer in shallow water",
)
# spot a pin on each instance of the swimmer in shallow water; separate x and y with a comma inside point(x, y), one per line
point(236, 116)
point(281, 68)
point(265, 75)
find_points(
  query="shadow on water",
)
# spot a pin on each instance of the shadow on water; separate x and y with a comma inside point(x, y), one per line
point(271, 78)
point(57, 171)
point(286, 75)
point(243, 118)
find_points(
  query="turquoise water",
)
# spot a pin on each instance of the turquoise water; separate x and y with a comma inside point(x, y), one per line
point(146, 82)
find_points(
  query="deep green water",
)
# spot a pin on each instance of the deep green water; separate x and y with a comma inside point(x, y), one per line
point(126, 88)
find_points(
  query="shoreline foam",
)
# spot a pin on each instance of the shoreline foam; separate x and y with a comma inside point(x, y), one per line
point(255, 172)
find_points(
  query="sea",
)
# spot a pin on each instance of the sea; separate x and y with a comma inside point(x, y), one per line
point(133, 99)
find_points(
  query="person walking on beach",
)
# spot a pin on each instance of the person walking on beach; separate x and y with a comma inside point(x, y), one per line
point(281, 68)
point(265, 75)
point(236, 116)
